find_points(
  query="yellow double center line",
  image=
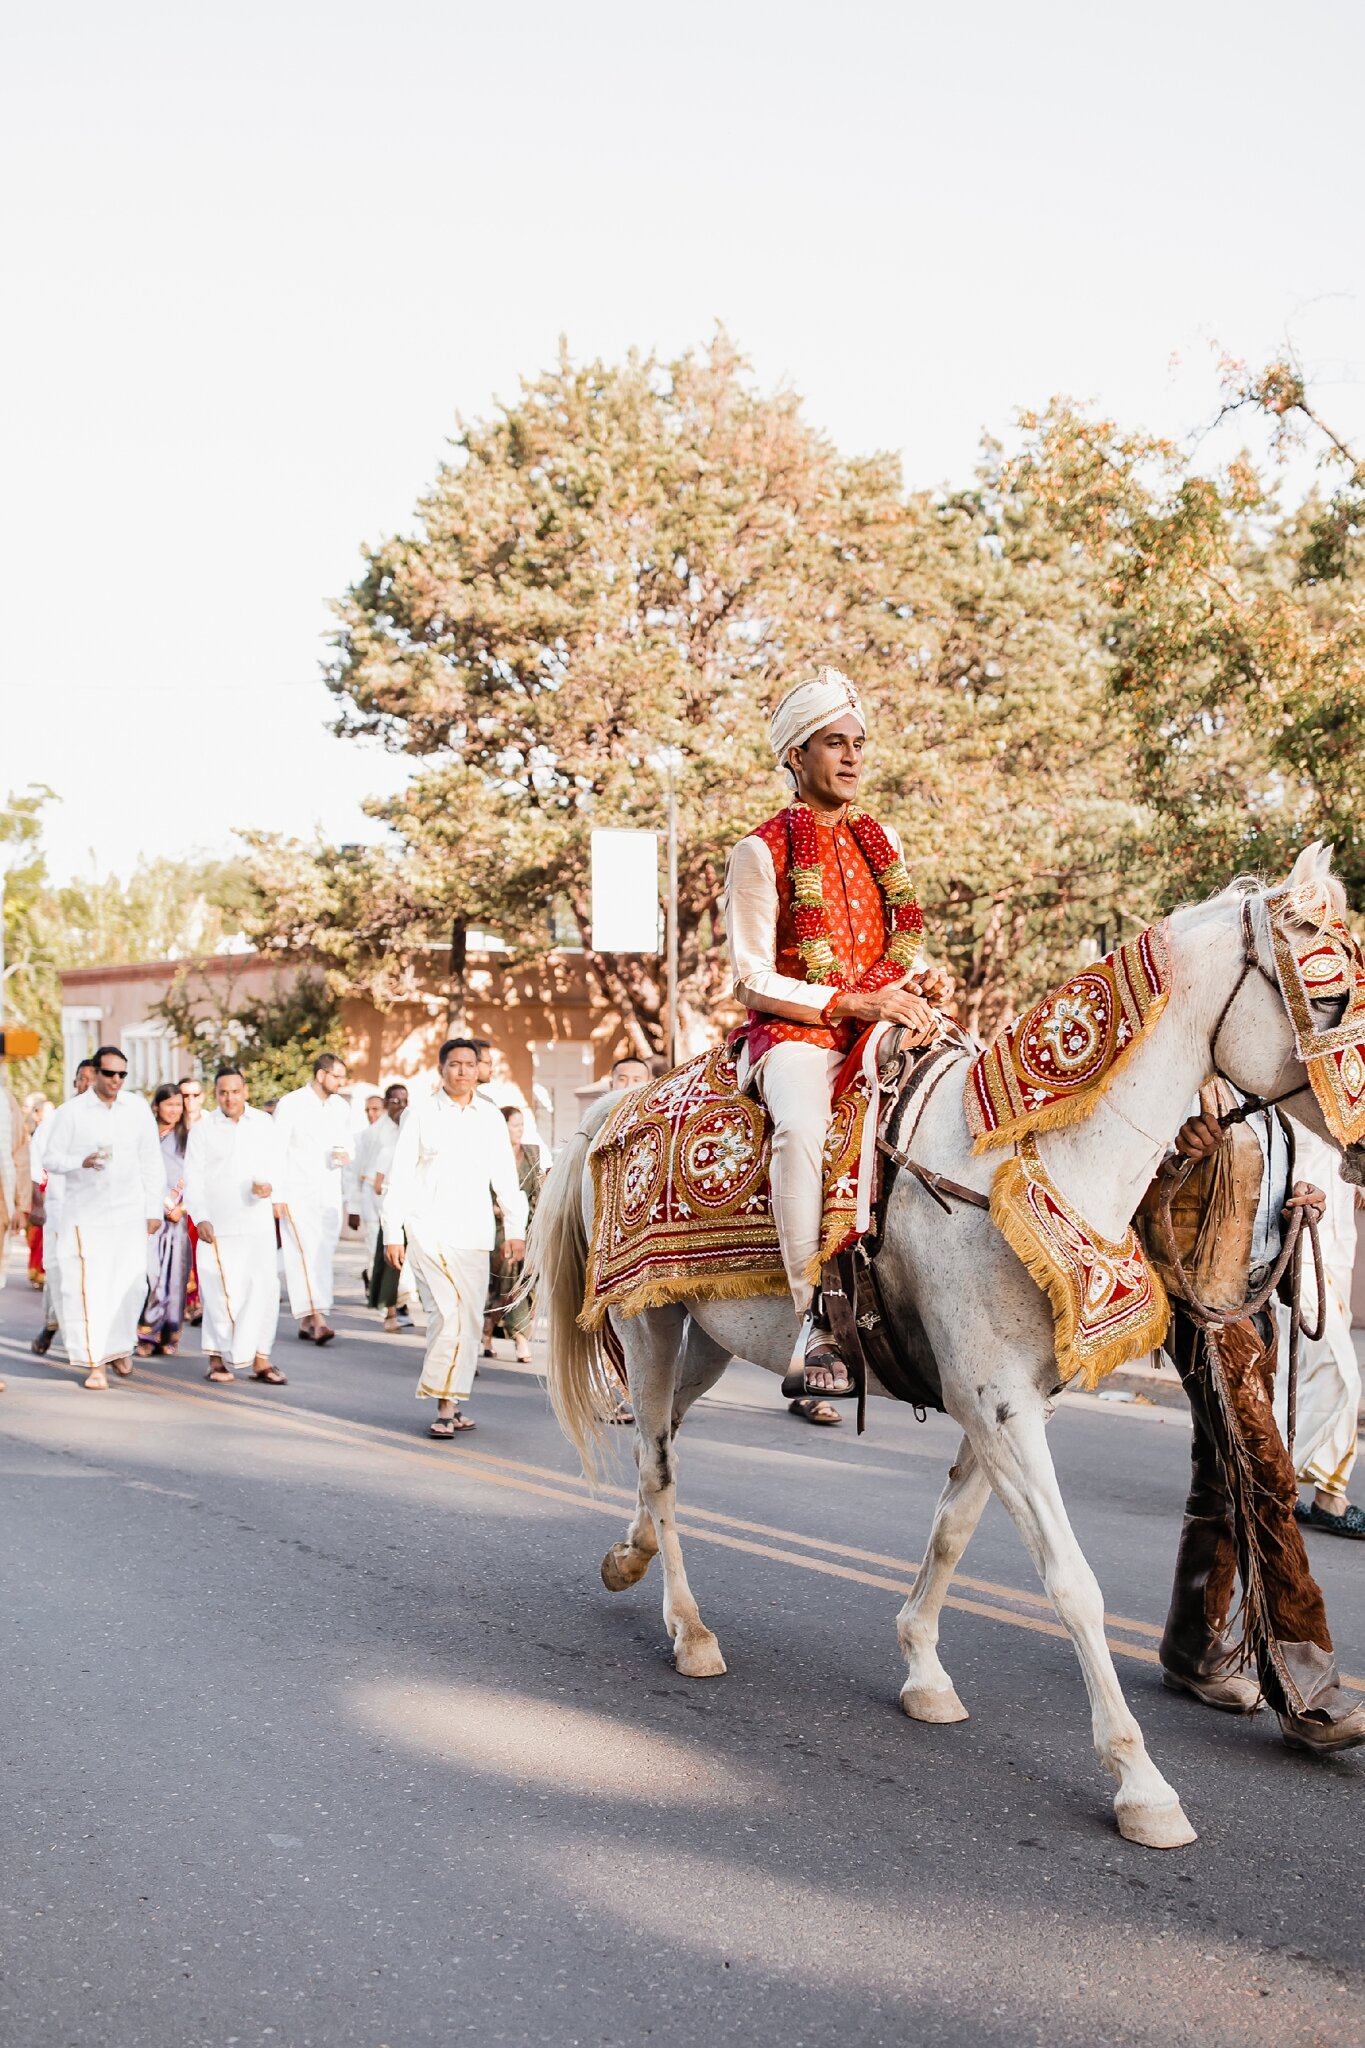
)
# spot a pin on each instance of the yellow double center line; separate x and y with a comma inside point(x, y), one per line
point(698, 1525)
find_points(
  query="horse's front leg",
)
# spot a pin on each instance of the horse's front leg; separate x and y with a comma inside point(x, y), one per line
point(928, 1693)
point(1010, 1439)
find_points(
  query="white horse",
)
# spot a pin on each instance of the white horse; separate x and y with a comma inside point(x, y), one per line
point(989, 1324)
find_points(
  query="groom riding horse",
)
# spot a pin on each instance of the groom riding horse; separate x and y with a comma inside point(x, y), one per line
point(825, 940)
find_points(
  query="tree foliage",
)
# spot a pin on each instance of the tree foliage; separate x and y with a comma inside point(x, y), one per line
point(640, 558)
point(274, 1039)
point(1104, 677)
point(1234, 634)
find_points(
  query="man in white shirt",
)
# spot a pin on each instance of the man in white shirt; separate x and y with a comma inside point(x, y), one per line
point(103, 1147)
point(52, 1219)
point(316, 1147)
point(386, 1289)
point(452, 1149)
point(231, 1174)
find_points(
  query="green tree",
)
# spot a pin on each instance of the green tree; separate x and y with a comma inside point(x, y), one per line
point(166, 909)
point(274, 1039)
point(1233, 635)
point(32, 984)
point(643, 557)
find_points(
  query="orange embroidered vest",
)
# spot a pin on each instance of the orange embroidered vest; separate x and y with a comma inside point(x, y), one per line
point(857, 924)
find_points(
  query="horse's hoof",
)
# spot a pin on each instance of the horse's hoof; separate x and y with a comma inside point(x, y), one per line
point(922, 1704)
point(624, 1566)
point(1155, 1827)
point(697, 1655)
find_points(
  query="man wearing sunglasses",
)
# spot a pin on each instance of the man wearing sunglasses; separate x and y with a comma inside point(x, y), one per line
point(103, 1147)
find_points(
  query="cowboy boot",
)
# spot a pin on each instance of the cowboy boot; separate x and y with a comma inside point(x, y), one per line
point(1196, 1655)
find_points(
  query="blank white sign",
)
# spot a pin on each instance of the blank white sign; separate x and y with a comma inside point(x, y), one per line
point(625, 892)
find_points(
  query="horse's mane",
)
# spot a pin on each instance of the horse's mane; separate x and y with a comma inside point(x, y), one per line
point(1313, 895)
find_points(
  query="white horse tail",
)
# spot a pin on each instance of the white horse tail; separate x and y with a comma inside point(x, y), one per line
point(580, 1379)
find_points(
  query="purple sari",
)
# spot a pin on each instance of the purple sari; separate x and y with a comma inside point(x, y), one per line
point(168, 1261)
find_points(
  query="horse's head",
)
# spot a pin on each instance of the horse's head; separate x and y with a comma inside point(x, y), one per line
point(1293, 1024)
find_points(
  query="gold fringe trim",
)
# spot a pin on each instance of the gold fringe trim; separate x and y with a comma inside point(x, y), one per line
point(1057, 1284)
point(665, 1289)
point(1070, 1109)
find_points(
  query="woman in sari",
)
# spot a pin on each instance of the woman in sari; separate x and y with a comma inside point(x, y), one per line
point(168, 1254)
point(505, 1277)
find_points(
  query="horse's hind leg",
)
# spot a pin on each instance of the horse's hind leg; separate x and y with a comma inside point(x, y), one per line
point(670, 1361)
point(1010, 1441)
point(626, 1563)
point(928, 1693)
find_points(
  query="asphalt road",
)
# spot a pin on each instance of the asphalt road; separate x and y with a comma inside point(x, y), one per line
point(317, 1732)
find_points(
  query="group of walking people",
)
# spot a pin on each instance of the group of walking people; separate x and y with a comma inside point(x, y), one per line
point(153, 1215)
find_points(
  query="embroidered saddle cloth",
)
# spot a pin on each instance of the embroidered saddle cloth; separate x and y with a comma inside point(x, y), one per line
point(680, 1181)
point(1051, 1066)
point(1108, 1303)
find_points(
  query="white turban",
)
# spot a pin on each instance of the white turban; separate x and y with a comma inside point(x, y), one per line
point(828, 696)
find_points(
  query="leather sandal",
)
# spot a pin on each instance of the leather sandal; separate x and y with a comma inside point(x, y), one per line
point(814, 1408)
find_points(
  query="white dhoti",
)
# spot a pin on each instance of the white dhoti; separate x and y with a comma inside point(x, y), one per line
point(308, 1239)
point(103, 1278)
point(452, 1285)
point(794, 1082)
point(1327, 1406)
point(239, 1285)
point(52, 1278)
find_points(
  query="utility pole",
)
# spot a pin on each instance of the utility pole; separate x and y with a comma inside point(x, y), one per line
point(673, 908)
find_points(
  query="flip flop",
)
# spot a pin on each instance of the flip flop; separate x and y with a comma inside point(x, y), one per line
point(222, 1376)
point(123, 1366)
point(812, 1408)
point(271, 1377)
point(443, 1426)
point(324, 1335)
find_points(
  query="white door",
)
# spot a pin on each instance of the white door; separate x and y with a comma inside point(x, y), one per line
point(559, 1070)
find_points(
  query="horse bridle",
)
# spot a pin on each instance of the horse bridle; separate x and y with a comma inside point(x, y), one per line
point(1251, 963)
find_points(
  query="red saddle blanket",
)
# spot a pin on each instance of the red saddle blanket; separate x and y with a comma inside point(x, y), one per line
point(681, 1201)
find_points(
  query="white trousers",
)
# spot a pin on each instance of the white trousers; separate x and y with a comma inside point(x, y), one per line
point(1328, 1403)
point(452, 1285)
point(239, 1284)
point(308, 1239)
point(103, 1268)
point(794, 1083)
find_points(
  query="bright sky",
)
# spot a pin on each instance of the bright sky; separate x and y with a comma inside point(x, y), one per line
point(259, 255)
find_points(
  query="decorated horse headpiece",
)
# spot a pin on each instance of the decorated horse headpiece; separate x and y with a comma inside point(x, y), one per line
point(1318, 959)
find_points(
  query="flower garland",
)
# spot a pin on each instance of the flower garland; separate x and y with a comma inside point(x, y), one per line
point(903, 914)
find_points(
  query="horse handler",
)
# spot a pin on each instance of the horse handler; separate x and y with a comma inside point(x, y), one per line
point(452, 1149)
point(1238, 1197)
point(824, 935)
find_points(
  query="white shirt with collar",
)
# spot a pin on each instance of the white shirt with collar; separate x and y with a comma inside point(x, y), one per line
point(311, 1127)
point(223, 1161)
point(450, 1160)
point(132, 1181)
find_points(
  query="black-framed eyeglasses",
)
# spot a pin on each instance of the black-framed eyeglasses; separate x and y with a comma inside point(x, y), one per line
point(113, 1073)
